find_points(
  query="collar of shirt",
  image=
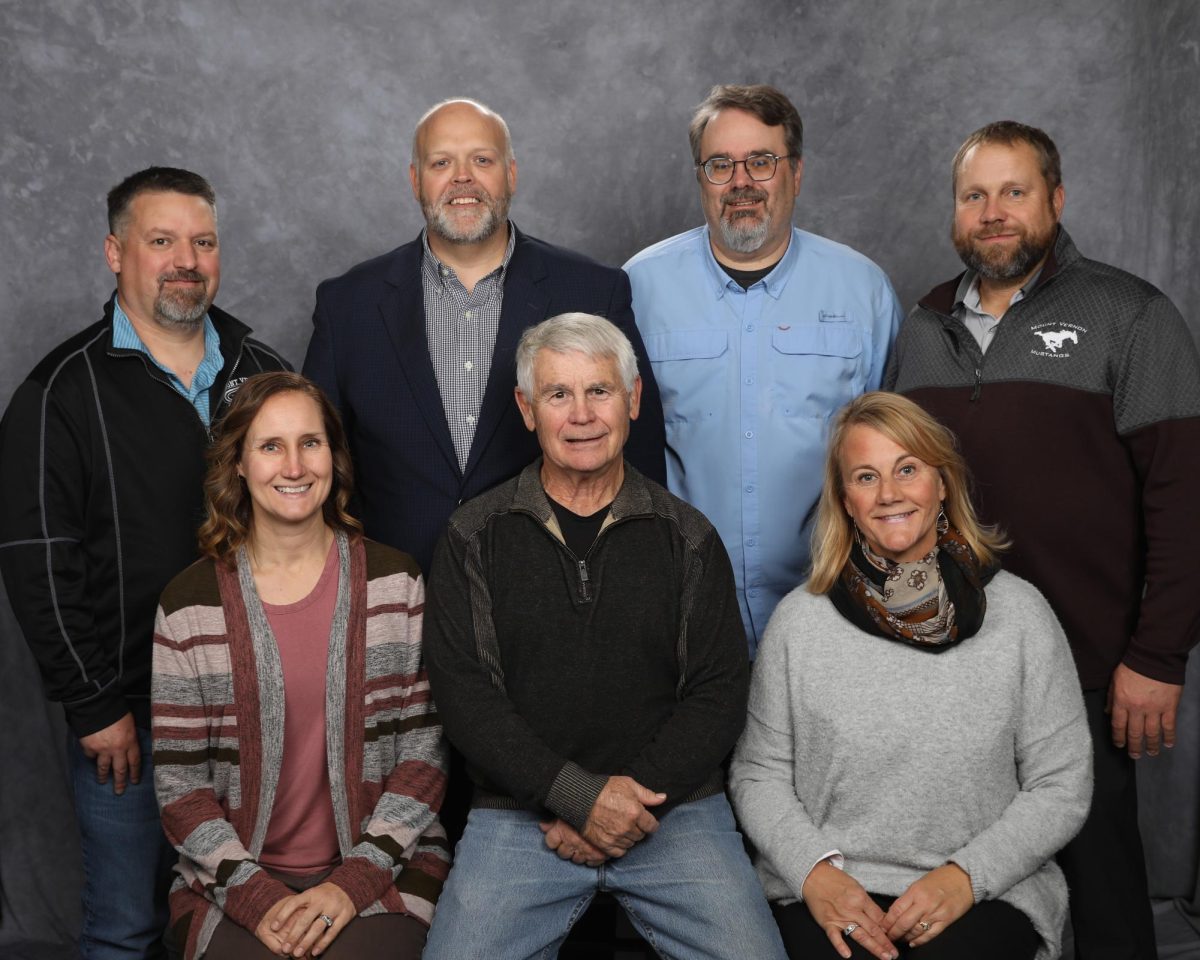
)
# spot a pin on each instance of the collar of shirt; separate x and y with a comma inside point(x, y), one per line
point(436, 272)
point(967, 294)
point(774, 282)
point(125, 337)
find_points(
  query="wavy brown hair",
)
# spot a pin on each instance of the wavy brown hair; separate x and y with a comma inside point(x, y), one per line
point(908, 426)
point(229, 520)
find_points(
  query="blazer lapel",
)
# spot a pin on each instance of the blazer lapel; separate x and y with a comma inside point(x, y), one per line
point(402, 309)
point(525, 304)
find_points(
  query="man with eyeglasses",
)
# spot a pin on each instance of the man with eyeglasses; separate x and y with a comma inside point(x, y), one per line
point(756, 332)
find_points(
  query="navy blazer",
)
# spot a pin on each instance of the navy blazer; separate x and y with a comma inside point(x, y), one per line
point(370, 354)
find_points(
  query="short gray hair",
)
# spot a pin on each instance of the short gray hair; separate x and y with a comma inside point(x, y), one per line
point(584, 333)
point(481, 107)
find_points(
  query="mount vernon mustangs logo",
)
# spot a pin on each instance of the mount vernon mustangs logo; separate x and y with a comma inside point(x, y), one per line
point(1055, 337)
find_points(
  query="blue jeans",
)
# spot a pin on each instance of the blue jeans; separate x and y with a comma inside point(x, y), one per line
point(126, 861)
point(688, 888)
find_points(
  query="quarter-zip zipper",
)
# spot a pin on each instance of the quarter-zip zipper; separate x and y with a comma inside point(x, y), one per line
point(585, 593)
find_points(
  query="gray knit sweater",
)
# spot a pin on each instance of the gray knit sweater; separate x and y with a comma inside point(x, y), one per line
point(904, 760)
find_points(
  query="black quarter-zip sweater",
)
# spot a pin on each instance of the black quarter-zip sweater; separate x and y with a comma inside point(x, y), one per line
point(101, 471)
point(553, 672)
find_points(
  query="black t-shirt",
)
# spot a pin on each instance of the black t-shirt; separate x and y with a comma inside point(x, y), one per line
point(579, 532)
point(747, 278)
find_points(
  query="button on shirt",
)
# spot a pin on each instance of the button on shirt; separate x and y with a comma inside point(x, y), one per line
point(461, 330)
point(969, 309)
point(749, 379)
point(125, 338)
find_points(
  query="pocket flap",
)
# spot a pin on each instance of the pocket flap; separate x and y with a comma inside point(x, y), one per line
point(685, 344)
point(823, 339)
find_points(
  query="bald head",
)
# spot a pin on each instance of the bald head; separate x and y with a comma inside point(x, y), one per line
point(460, 108)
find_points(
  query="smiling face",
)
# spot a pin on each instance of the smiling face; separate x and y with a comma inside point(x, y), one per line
point(1005, 215)
point(286, 462)
point(749, 221)
point(892, 496)
point(581, 413)
point(461, 175)
point(167, 262)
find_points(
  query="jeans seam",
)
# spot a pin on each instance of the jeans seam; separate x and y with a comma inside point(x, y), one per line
point(644, 928)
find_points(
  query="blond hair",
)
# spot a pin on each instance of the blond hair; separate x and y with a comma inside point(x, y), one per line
point(905, 424)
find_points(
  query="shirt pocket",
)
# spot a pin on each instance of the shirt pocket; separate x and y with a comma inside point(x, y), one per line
point(689, 365)
point(815, 366)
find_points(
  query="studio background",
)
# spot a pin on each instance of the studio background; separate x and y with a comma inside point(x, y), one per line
point(301, 114)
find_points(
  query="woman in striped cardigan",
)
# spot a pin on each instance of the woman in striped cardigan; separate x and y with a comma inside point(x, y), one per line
point(299, 761)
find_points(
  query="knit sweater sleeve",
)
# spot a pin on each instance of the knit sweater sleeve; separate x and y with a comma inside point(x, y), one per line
point(762, 775)
point(711, 711)
point(479, 718)
point(215, 862)
point(1053, 755)
point(402, 709)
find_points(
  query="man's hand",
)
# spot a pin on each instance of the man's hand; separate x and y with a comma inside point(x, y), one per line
point(115, 749)
point(1142, 709)
point(929, 905)
point(836, 901)
point(566, 841)
point(619, 817)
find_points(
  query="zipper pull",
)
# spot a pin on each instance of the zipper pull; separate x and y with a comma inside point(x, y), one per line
point(584, 592)
point(975, 392)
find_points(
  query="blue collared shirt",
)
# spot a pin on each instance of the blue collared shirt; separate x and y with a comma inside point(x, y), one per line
point(749, 380)
point(125, 338)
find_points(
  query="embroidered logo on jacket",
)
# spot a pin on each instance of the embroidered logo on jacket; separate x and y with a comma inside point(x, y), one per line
point(1055, 337)
point(231, 388)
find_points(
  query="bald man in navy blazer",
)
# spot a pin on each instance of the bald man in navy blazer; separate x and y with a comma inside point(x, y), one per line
point(416, 347)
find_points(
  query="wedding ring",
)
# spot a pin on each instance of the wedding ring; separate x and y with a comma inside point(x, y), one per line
point(849, 929)
point(924, 925)
point(328, 920)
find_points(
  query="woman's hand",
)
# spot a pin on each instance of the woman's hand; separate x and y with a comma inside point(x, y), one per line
point(836, 901)
point(308, 933)
point(929, 905)
point(268, 937)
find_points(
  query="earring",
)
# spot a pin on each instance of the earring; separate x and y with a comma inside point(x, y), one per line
point(943, 523)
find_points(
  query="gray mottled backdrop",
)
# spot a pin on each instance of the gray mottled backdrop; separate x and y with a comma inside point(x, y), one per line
point(300, 113)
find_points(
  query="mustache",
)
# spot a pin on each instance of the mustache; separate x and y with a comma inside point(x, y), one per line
point(191, 276)
point(743, 193)
point(455, 193)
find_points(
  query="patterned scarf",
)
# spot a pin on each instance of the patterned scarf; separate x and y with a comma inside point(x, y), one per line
point(932, 603)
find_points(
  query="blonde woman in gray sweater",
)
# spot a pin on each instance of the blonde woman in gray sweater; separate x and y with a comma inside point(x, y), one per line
point(916, 749)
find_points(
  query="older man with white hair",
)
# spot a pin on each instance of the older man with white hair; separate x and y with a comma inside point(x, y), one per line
point(588, 659)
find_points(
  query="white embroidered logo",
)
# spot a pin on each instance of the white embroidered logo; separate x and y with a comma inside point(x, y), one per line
point(1055, 337)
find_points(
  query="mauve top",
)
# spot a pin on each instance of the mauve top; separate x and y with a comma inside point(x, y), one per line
point(301, 837)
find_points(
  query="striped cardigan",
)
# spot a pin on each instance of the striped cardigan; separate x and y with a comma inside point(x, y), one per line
point(217, 720)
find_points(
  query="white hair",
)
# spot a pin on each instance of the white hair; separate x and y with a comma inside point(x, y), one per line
point(584, 333)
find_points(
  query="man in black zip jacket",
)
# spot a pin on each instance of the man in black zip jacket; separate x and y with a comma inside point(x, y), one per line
point(101, 468)
point(587, 657)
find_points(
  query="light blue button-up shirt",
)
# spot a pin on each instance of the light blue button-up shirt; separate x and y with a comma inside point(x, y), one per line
point(749, 380)
point(125, 338)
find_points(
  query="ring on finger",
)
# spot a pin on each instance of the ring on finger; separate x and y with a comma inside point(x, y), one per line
point(924, 925)
point(327, 919)
point(849, 928)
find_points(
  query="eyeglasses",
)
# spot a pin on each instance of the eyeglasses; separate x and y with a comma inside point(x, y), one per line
point(759, 166)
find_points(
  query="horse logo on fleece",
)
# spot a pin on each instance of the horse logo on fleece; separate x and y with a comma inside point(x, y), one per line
point(1054, 339)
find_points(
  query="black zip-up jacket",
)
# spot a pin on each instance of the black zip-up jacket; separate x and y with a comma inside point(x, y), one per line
point(553, 672)
point(101, 466)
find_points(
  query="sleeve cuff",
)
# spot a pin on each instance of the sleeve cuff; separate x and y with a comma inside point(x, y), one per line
point(247, 903)
point(362, 881)
point(94, 715)
point(574, 793)
point(834, 858)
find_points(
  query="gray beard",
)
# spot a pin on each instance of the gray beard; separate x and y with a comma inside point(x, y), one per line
point(744, 239)
point(437, 219)
point(178, 312)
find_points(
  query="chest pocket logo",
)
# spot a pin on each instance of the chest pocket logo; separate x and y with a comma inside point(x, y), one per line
point(1056, 339)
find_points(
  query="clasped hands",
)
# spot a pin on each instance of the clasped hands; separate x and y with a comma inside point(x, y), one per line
point(618, 819)
point(306, 934)
point(929, 905)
